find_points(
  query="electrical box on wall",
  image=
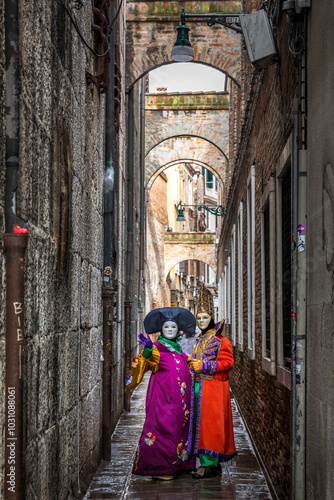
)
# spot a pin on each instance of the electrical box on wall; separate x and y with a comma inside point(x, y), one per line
point(259, 39)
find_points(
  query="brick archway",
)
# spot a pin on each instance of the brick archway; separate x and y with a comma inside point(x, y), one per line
point(185, 150)
point(151, 33)
point(189, 246)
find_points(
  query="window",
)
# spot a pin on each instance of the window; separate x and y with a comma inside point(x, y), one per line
point(233, 280)
point(251, 262)
point(209, 179)
point(266, 255)
point(240, 278)
point(228, 291)
point(268, 276)
point(286, 266)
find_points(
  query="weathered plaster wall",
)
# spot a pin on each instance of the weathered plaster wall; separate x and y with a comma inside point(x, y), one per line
point(320, 261)
point(157, 291)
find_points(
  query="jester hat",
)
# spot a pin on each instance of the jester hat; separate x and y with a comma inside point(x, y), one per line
point(184, 319)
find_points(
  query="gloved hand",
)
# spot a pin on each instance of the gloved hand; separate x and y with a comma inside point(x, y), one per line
point(145, 341)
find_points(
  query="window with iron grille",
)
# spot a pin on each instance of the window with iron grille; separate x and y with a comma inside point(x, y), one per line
point(286, 266)
point(267, 276)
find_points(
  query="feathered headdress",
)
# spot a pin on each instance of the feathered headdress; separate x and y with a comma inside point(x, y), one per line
point(205, 302)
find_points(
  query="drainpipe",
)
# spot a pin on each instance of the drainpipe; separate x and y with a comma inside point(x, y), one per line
point(298, 472)
point(294, 291)
point(142, 199)
point(129, 258)
point(15, 246)
point(107, 288)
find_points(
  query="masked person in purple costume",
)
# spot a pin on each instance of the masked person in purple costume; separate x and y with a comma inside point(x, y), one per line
point(162, 449)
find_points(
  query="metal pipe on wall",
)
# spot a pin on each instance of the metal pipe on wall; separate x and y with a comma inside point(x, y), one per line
point(15, 246)
point(129, 252)
point(142, 197)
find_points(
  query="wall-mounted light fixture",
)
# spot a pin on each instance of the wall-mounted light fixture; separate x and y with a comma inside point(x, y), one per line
point(218, 210)
point(182, 50)
point(255, 27)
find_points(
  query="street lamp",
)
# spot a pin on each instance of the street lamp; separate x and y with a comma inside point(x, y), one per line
point(218, 210)
point(256, 28)
point(182, 50)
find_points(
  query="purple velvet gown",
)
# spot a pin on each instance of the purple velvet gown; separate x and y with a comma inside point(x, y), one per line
point(162, 448)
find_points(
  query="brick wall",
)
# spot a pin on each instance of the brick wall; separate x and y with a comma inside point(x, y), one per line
point(151, 35)
point(261, 124)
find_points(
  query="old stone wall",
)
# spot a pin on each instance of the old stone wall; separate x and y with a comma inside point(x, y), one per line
point(60, 202)
point(2, 229)
point(319, 237)
point(260, 128)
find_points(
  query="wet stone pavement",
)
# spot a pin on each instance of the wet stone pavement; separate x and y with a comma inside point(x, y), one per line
point(241, 478)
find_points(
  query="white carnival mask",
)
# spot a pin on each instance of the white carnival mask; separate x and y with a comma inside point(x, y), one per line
point(170, 330)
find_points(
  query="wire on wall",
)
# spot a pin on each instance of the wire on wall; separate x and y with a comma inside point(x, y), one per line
point(110, 28)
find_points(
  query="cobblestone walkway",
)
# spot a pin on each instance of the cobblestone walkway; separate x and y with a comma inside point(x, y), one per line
point(241, 479)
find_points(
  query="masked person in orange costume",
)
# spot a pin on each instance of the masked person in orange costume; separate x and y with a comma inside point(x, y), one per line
point(211, 427)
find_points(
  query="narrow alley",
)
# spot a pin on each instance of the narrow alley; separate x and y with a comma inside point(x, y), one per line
point(150, 150)
point(241, 479)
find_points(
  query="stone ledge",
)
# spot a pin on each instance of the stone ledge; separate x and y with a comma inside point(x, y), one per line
point(187, 100)
point(190, 237)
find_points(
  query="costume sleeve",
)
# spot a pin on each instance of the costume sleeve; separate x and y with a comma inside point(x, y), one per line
point(140, 365)
point(225, 357)
point(224, 360)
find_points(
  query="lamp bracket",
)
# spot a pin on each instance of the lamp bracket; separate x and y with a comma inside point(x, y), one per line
point(218, 210)
point(227, 20)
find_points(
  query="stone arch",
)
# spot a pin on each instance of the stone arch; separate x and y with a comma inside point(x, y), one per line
point(199, 114)
point(151, 34)
point(179, 150)
point(201, 246)
point(186, 258)
point(177, 162)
